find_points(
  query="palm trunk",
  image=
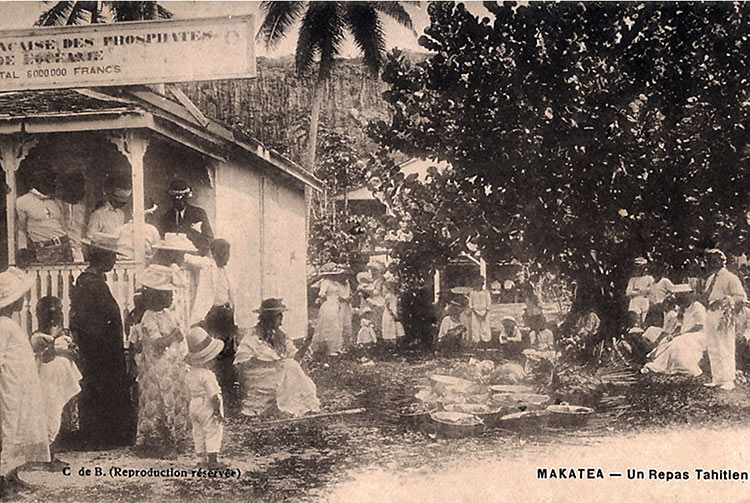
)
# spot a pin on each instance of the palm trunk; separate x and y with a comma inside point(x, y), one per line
point(312, 141)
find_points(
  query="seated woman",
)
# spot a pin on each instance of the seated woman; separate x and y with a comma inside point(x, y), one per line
point(453, 330)
point(682, 354)
point(271, 378)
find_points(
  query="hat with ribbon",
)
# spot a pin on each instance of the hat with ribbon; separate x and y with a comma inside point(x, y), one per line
point(14, 283)
point(201, 346)
point(179, 189)
point(176, 241)
point(331, 269)
point(159, 277)
point(271, 305)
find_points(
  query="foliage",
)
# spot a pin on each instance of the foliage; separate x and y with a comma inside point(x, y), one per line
point(75, 12)
point(580, 135)
point(335, 235)
point(322, 32)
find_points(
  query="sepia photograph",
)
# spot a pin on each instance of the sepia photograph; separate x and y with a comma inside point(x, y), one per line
point(378, 252)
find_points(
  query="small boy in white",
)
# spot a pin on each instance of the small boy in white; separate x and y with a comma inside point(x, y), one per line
point(206, 406)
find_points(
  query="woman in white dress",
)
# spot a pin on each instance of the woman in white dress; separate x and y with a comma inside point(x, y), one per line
point(682, 354)
point(329, 329)
point(391, 328)
point(22, 411)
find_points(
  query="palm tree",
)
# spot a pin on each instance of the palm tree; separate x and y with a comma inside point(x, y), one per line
point(321, 34)
point(70, 13)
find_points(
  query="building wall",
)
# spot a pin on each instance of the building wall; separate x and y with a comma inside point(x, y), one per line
point(264, 221)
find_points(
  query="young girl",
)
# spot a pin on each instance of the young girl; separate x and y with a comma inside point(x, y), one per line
point(59, 375)
point(391, 326)
point(162, 404)
point(206, 406)
point(479, 306)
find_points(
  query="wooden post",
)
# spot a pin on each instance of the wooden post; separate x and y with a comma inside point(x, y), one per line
point(133, 144)
point(436, 286)
point(13, 150)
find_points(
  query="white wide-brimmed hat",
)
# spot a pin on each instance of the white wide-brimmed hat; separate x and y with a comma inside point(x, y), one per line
point(640, 261)
point(14, 283)
point(176, 241)
point(105, 242)
point(159, 277)
point(201, 346)
point(681, 288)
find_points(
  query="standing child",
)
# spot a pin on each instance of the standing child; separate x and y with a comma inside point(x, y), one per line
point(391, 326)
point(59, 375)
point(479, 305)
point(206, 406)
point(162, 403)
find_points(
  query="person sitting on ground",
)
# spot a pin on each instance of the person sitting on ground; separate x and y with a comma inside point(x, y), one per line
point(272, 379)
point(639, 286)
point(453, 332)
point(682, 354)
point(206, 405)
point(108, 217)
point(58, 373)
point(544, 339)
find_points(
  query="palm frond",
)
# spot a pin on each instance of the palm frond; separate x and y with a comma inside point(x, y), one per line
point(57, 15)
point(364, 24)
point(322, 33)
point(163, 12)
point(279, 17)
point(79, 14)
point(396, 11)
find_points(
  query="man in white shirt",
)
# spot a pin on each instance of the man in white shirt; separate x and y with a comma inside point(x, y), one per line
point(656, 296)
point(126, 242)
point(109, 216)
point(724, 296)
point(213, 288)
point(40, 222)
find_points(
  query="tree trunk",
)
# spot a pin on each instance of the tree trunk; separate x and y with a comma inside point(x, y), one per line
point(312, 137)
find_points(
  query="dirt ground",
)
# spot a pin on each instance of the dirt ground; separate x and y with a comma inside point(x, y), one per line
point(374, 456)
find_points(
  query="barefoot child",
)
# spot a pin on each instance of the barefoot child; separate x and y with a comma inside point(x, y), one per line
point(206, 407)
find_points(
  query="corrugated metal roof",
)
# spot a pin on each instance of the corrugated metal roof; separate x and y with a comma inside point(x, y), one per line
point(23, 104)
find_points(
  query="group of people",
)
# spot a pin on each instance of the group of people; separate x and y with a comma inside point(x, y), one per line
point(374, 302)
point(150, 379)
point(684, 322)
point(53, 221)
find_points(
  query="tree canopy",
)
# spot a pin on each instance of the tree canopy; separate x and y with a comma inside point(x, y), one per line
point(580, 134)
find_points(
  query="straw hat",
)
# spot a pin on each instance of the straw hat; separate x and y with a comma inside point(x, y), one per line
point(176, 241)
point(201, 346)
point(271, 305)
point(102, 241)
point(158, 277)
point(640, 261)
point(122, 194)
point(14, 283)
point(331, 269)
point(681, 288)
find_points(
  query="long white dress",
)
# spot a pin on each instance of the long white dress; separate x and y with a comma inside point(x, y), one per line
point(479, 305)
point(22, 410)
point(329, 329)
point(60, 381)
point(638, 290)
point(682, 354)
point(271, 374)
point(391, 328)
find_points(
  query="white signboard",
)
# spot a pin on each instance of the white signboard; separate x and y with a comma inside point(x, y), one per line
point(141, 52)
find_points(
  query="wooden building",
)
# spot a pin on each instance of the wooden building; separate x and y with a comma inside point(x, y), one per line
point(254, 197)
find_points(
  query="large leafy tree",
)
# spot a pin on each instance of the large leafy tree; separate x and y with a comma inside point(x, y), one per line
point(322, 32)
point(76, 12)
point(581, 135)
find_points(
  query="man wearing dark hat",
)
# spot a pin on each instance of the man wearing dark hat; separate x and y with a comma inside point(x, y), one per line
point(109, 216)
point(40, 225)
point(185, 218)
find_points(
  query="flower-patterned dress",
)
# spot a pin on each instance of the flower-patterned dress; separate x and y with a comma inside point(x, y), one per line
point(162, 400)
